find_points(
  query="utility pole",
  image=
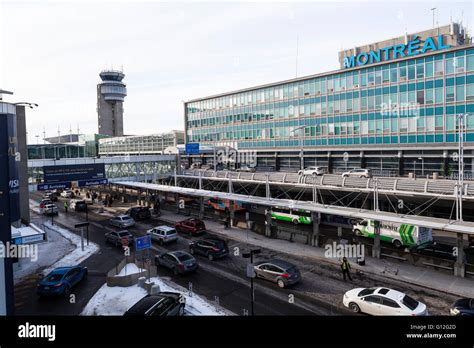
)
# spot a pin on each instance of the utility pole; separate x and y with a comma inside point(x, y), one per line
point(251, 275)
point(433, 12)
point(460, 181)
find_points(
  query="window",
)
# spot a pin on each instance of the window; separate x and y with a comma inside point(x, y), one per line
point(459, 64)
point(430, 123)
point(403, 73)
point(449, 66)
point(420, 71)
point(470, 63)
point(411, 72)
point(460, 93)
point(390, 303)
point(429, 69)
point(449, 122)
point(470, 91)
point(438, 67)
point(420, 97)
point(372, 299)
point(393, 75)
point(429, 96)
point(449, 94)
point(439, 95)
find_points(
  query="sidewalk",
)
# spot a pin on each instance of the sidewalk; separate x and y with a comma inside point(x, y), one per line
point(463, 287)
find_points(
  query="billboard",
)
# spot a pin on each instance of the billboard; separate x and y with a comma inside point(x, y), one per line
point(75, 172)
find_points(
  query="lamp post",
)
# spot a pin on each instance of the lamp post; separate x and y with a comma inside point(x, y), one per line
point(251, 275)
point(301, 144)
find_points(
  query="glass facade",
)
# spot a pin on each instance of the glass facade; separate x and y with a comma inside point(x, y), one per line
point(402, 103)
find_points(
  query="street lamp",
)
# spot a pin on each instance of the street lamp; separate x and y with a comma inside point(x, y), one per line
point(251, 275)
point(301, 144)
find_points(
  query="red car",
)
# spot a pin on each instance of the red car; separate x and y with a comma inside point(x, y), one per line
point(191, 226)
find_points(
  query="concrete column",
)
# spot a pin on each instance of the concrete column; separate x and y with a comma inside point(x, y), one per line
point(268, 223)
point(176, 200)
point(23, 164)
point(201, 208)
point(446, 164)
point(459, 265)
point(231, 212)
point(400, 163)
point(376, 250)
point(339, 231)
point(316, 218)
point(277, 162)
point(362, 159)
point(329, 162)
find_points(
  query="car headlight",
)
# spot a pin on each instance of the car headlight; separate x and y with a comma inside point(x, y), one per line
point(455, 311)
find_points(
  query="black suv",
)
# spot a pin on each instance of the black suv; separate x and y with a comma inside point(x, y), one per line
point(139, 213)
point(212, 248)
point(161, 304)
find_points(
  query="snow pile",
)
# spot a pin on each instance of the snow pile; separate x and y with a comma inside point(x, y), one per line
point(76, 256)
point(117, 300)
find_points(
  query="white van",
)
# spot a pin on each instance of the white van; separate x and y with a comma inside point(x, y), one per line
point(398, 234)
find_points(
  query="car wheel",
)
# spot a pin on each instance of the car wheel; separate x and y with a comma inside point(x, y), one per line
point(175, 271)
point(210, 257)
point(295, 221)
point(280, 283)
point(354, 307)
point(397, 243)
point(362, 176)
point(181, 310)
point(357, 232)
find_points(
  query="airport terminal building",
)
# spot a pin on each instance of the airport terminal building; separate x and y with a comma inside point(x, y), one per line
point(393, 106)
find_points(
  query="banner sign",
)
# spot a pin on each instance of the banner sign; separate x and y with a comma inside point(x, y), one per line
point(76, 172)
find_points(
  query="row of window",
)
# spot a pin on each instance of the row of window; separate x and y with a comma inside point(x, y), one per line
point(438, 65)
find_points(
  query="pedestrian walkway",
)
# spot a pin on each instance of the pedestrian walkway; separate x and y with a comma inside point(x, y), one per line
point(424, 277)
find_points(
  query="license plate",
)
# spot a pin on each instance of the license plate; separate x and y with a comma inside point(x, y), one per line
point(46, 287)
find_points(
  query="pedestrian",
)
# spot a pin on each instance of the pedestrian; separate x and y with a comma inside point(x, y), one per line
point(66, 206)
point(226, 218)
point(346, 267)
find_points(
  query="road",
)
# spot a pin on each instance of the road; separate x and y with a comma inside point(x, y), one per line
point(222, 279)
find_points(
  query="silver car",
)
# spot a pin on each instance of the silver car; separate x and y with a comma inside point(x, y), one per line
point(50, 209)
point(278, 271)
point(163, 234)
point(358, 172)
point(122, 221)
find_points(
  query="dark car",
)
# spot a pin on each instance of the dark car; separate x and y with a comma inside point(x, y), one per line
point(435, 249)
point(61, 280)
point(212, 248)
point(79, 205)
point(191, 226)
point(278, 271)
point(178, 261)
point(463, 307)
point(52, 196)
point(119, 238)
point(139, 213)
point(161, 304)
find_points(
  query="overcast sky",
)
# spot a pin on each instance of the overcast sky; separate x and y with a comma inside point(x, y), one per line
point(51, 52)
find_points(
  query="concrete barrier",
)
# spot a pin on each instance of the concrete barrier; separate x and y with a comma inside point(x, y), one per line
point(113, 279)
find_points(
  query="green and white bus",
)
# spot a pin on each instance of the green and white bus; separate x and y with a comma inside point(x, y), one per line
point(296, 216)
point(398, 234)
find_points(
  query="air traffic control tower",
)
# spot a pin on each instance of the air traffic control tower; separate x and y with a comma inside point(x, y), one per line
point(111, 92)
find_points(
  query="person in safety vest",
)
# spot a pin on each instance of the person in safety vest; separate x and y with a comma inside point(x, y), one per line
point(346, 267)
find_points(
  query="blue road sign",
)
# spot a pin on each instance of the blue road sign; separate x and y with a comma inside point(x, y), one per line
point(55, 186)
point(192, 148)
point(86, 183)
point(143, 243)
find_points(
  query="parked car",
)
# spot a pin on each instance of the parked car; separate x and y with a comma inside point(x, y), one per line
point(435, 249)
point(212, 248)
point(358, 172)
point(178, 261)
point(191, 226)
point(50, 209)
point(78, 204)
point(163, 234)
point(67, 194)
point(139, 213)
point(160, 304)
point(313, 171)
point(52, 196)
point(61, 280)
point(246, 169)
point(117, 237)
point(278, 271)
point(463, 307)
point(43, 203)
point(382, 301)
point(122, 221)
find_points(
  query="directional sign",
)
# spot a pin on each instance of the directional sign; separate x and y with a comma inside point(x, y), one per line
point(143, 243)
point(86, 183)
point(55, 186)
point(192, 148)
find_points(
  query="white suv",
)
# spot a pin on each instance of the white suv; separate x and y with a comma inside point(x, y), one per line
point(313, 171)
point(359, 172)
point(163, 234)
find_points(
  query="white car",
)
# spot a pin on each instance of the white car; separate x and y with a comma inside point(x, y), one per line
point(313, 171)
point(50, 209)
point(67, 194)
point(359, 172)
point(382, 301)
point(163, 234)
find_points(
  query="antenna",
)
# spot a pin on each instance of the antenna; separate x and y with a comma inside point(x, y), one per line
point(433, 12)
point(297, 41)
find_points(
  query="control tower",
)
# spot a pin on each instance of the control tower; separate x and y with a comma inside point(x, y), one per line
point(111, 92)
